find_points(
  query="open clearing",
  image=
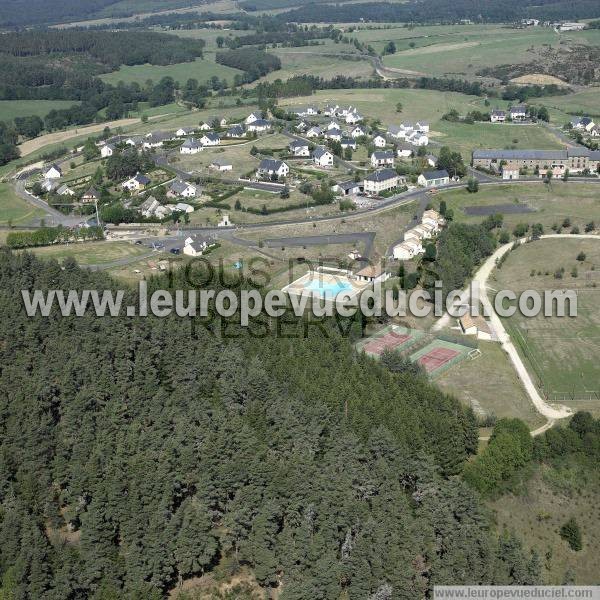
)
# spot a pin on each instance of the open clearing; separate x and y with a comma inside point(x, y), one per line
point(92, 253)
point(200, 69)
point(549, 499)
point(561, 353)
point(552, 204)
point(13, 209)
point(11, 109)
point(538, 79)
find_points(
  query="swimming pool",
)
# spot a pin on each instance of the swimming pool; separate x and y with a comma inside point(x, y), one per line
point(327, 289)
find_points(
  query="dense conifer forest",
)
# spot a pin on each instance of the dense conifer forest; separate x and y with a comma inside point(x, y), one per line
point(138, 453)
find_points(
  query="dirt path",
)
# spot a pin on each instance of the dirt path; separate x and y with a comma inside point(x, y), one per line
point(481, 277)
point(37, 143)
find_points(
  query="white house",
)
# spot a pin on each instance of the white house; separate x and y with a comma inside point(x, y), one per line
point(184, 131)
point(270, 166)
point(422, 126)
point(357, 132)
point(191, 146)
point(518, 113)
point(65, 190)
point(53, 172)
point(404, 151)
point(156, 139)
point(348, 143)
point(195, 246)
point(148, 207)
point(107, 150)
point(418, 139)
point(252, 117)
point(381, 181)
point(408, 249)
point(379, 141)
point(221, 164)
point(299, 148)
point(433, 178)
point(373, 274)
point(314, 132)
point(331, 110)
point(91, 195)
point(333, 125)
point(134, 140)
point(498, 116)
point(334, 134)
point(353, 118)
point(347, 188)
point(182, 189)
point(259, 126)
point(382, 158)
point(210, 139)
point(236, 131)
point(583, 124)
point(204, 127)
point(136, 183)
point(433, 218)
point(322, 157)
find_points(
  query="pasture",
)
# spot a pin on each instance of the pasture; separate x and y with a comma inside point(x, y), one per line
point(200, 69)
point(11, 109)
point(15, 210)
point(561, 352)
point(578, 202)
point(92, 253)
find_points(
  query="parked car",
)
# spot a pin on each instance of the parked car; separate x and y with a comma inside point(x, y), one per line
point(175, 251)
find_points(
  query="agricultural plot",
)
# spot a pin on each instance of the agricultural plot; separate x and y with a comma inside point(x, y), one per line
point(15, 210)
point(578, 202)
point(581, 102)
point(200, 69)
point(561, 353)
point(92, 253)
point(11, 109)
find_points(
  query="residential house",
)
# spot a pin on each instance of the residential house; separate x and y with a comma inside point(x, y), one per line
point(134, 140)
point(49, 185)
point(204, 127)
point(331, 110)
point(348, 143)
point(197, 244)
point(322, 157)
point(270, 167)
point(433, 218)
point(571, 26)
point(184, 131)
point(299, 148)
point(382, 158)
point(404, 150)
point(518, 113)
point(137, 183)
point(422, 126)
point(417, 139)
point(353, 118)
point(259, 126)
point(314, 132)
point(156, 139)
point(182, 189)
point(221, 165)
point(162, 212)
point(498, 116)
point(191, 146)
point(430, 159)
point(347, 188)
point(382, 181)
point(53, 172)
point(65, 190)
point(408, 249)
point(210, 139)
point(148, 207)
point(373, 274)
point(379, 141)
point(434, 178)
point(91, 195)
point(357, 132)
point(252, 117)
point(583, 124)
point(333, 125)
point(107, 150)
point(236, 131)
point(334, 134)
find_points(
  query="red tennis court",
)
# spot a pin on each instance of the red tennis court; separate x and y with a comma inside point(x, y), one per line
point(437, 358)
point(389, 341)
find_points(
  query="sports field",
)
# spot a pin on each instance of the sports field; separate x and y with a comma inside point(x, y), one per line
point(439, 355)
point(391, 338)
point(561, 353)
point(200, 69)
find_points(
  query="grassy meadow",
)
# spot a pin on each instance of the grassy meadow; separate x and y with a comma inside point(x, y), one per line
point(15, 210)
point(11, 109)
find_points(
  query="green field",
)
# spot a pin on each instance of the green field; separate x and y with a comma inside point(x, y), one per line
point(15, 210)
point(200, 69)
point(92, 253)
point(466, 138)
point(579, 202)
point(561, 353)
point(10, 109)
point(463, 50)
point(583, 102)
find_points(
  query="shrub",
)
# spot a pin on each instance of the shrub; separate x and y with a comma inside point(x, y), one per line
point(572, 534)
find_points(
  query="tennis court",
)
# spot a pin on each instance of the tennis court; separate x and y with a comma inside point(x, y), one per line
point(440, 355)
point(390, 338)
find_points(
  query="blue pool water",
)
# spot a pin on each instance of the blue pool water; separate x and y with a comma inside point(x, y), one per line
point(327, 289)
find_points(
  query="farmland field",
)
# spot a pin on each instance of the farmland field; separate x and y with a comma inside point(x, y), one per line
point(561, 353)
point(200, 69)
point(583, 102)
point(576, 201)
point(11, 109)
point(92, 253)
point(14, 209)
